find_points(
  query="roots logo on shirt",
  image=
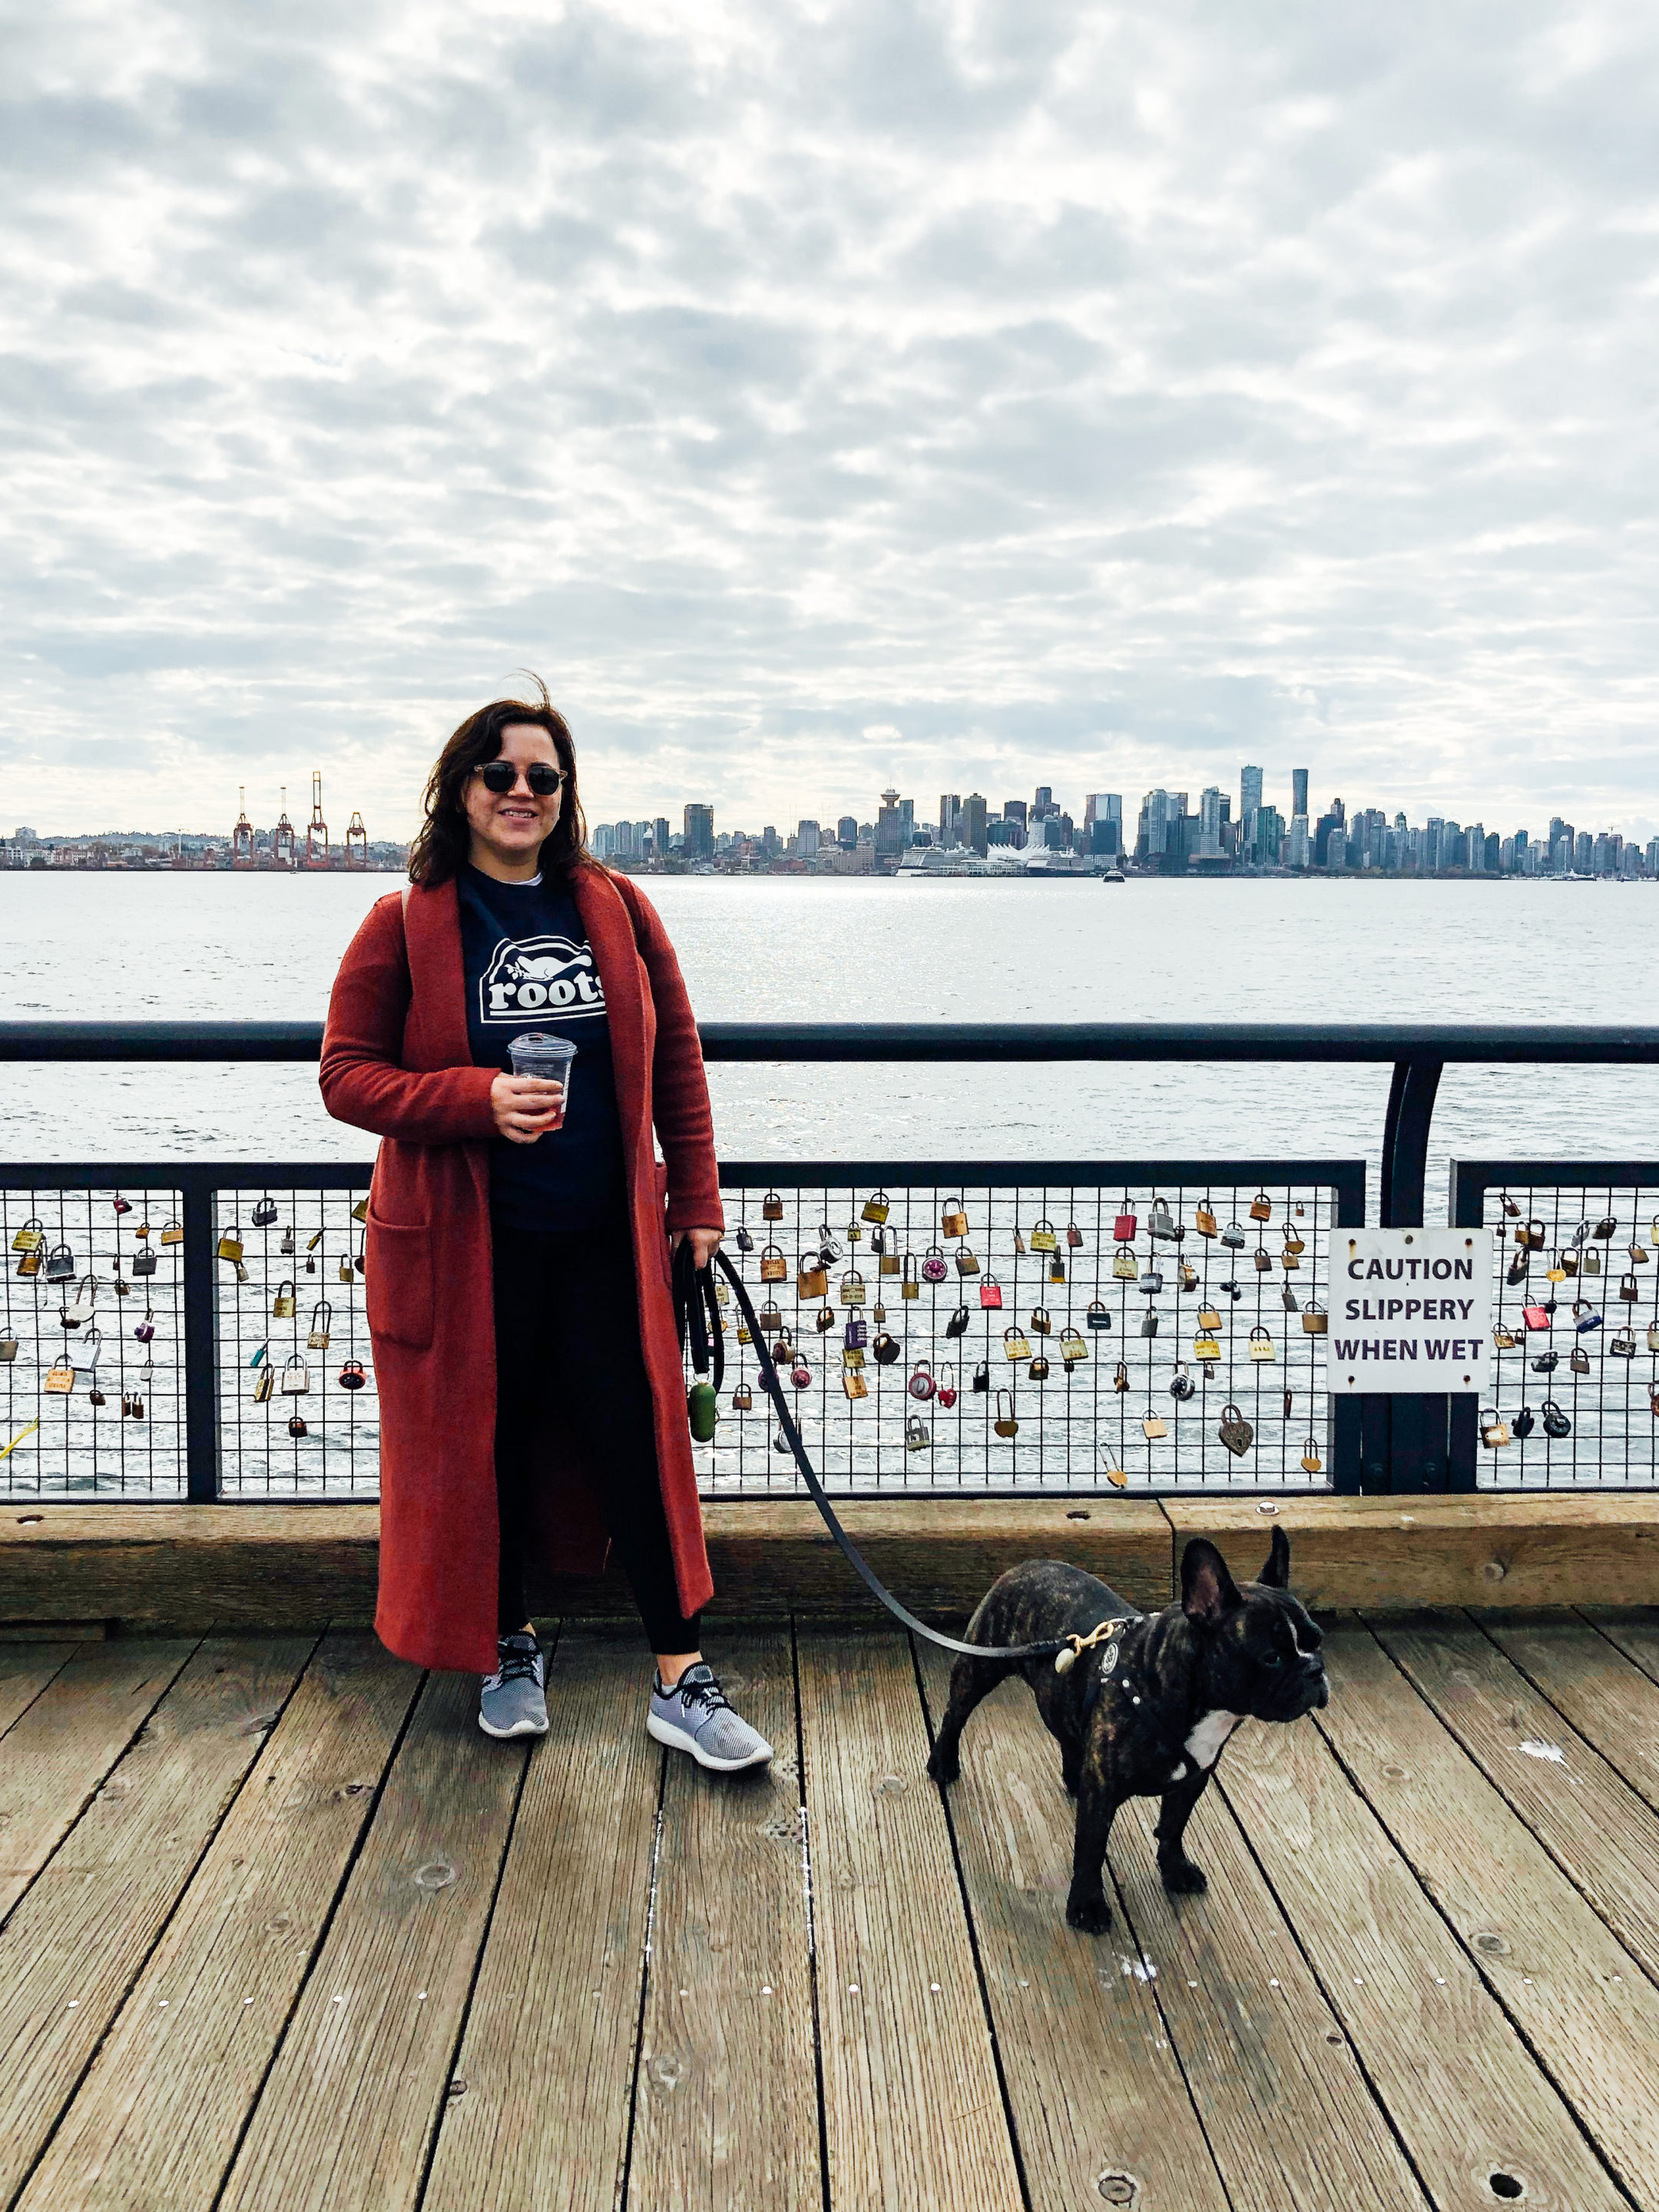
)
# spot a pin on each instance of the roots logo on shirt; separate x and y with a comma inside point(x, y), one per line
point(528, 976)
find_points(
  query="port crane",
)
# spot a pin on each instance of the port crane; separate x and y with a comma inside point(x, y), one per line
point(356, 841)
point(242, 837)
point(317, 829)
point(282, 837)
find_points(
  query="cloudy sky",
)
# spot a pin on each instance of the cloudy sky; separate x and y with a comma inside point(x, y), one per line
point(965, 393)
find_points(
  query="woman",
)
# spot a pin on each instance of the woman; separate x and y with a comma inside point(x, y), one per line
point(517, 1252)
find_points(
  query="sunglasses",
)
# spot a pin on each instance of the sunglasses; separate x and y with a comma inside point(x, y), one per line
point(500, 776)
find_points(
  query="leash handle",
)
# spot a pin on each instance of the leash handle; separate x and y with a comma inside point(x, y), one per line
point(850, 1551)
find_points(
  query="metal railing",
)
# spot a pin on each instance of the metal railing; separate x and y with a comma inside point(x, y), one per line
point(207, 1435)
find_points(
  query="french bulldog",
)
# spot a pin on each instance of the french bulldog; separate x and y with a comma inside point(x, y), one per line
point(1147, 1711)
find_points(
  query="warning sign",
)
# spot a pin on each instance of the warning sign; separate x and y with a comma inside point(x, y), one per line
point(1411, 1309)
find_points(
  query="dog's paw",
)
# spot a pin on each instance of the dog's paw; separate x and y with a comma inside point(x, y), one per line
point(1181, 1878)
point(1090, 1915)
point(945, 1767)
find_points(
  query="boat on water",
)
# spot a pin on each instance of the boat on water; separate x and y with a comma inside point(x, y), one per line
point(1113, 876)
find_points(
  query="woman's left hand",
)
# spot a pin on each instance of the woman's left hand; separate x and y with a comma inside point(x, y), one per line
point(704, 1242)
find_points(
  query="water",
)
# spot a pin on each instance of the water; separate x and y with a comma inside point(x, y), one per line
point(792, 949)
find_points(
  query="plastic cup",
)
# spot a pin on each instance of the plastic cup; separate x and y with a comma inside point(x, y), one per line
point(537, 1053)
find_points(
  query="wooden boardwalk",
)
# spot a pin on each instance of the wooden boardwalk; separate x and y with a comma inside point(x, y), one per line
point(281, 1930)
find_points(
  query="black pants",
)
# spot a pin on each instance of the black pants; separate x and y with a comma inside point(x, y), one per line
point(567, 1350)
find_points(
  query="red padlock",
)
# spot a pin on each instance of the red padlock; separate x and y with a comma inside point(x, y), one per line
point(1123, 1229)
point(921, 1383)
point(947, 1387)
point(1535, 1316)
point(352, 1377)
point(990, 1294)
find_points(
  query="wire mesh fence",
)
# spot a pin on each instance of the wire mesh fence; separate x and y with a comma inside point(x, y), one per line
point(1576, 1323)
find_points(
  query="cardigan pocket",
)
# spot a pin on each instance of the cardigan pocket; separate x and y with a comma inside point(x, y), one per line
point(398, 1284)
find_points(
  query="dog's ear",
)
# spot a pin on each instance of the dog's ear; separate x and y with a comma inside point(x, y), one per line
point(1207, 1590)
point(1277, 1572)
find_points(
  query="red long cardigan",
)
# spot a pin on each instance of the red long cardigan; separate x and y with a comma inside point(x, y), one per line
point(396, 1059)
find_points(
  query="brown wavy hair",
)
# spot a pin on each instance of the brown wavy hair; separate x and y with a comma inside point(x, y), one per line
point(444, 838)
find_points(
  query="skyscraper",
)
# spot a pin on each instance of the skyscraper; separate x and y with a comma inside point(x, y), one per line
point(699, 832)
point(1250, 798)
point(949, 807)
point(973, 822)
point(1298, 791)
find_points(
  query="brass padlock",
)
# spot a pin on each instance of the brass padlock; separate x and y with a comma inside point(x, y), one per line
point(852, 1288)
point(743, 1399)
point(967, 1260)
point(359, 1212)
point(8, 1346)
point(263, 1383)
point(1042, 1236)
point(1040, 1320)
point(774, 1267)
point(30, 1237)
point(1209, 1320)
point(876, 1206)
point(1494, 1433)
point(1153, 1427)
point(1261, 1344)
point(60, 1378)
point(230, 1244)
point(1005, 1424)
point(1206, 1345)
point(1315, 1319)
point(1126, 1268)
point(1039, 1368)
point(852, 1357)
point(1261, 1208)
point(1311, 1462)
point(854, 1384)
point(771, 1206)
point(1074, 1344)
point(812, 1280)
point(1205, 1217)
point(1627, 1289)
point(28, 1263)
point(826, 1319)
point(1235, 1431)
point(953, 1222)
point(322, 1315)
point(1016, 1344)
point(1579, 1361)
point(172, 1232)
point(1264, 1260)
point(282, 1306)
point(889, 1263)
point(911, 1286)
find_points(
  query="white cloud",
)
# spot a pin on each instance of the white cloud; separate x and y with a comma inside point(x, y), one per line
point(972, 394)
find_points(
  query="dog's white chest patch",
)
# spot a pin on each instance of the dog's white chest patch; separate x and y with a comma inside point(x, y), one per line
point(1204, 1745)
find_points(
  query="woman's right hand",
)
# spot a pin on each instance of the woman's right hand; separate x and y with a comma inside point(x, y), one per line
point(525, 1106)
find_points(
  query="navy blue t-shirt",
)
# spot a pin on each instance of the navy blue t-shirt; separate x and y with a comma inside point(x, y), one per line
point(529, 966)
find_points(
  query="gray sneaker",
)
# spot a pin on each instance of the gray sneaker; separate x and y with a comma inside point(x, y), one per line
point(513, 1701)
point(695, 1716)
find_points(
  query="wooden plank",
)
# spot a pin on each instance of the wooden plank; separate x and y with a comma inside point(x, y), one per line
point(1591, 1821)
point(1095, 2087)
point(349, 2110)
point(540, 2096)
point(1585, 1673)
point(71, 1951)
point(25, 1671)
point(60, 1749)
point(1283, 2102)
point(1553, 1547)
point(156, 2120)
point(57, 1631)
point(726, 2108)
point(1467, 2099)
point(1634, 1630)
point(912, 2108)
point(1589, 2014)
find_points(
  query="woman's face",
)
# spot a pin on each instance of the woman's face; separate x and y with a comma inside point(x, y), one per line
point(509, 828)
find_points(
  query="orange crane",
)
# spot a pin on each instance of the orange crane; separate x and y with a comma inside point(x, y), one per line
point(317, 829)
point(356, 841)
point(242, 837)
point(282, 837)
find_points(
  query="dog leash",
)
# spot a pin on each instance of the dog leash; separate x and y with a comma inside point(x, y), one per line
point(694, 1296)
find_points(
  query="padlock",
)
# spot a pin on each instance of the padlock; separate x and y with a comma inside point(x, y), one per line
point(1622, 1345)
point(1206, 1345)
point(921, 1383)
point(856, 1333)
point(916, 1437)
point(1233, 1237)
point(60, 1264)
point(1230, 1289)
point(1039, 1370)
point(1509, 1206)
point(1535, 1316)
point(80, 1311)
point(1653, 1232)
point(1516, 1270)
point(947, 1392)
point(1502, 1339)
point(1639, 1255)
point(1262, 1208)
point(1605, 1227)
point(876, 1206)
point(1627, 1289)
point(1653, 1336)
point(745, 1242)
point(1494, 1433)
point(8, 1346)
point(1097, 1316)
point(1311, 1462)
point(1264, 1260)
point(1120, 1378)
point(143, 1262)
point(1153, 1427)
point(122, 1288)
point(1056, 1267)
point(60, 1377)
point(886, 1348)
point(1123, 1227)
point(1287, 1298)
point(1584, 1317)
point(1019, 1241)
point(1579, 1360)
point(1181, 1385)
point(1556, 1423)
point(282, 1306)
point(1533, 1234)
point(1005, 1424)
point(953, 1222)
point(360, 1212)
point(1186, 1276)
point(1590, 1264)
point(296, 1376)
point(1315, 1321)
point(1151, 1285)
point(1125, 1265)
point(28, 1263)
point(722, 1294)
point(1043, 1238)
point(1073, 1345)
point(771, 1320)
point(230, 1243)
point(1073, 1237)
point(889, 1262)
point(263, 1383)
point(1235, 1431)
point(990, 1295)
point(322, 1316)
point(958, 1324)
point(933, 1266)
point(1111, 1467)
point(1566, 1263)
point(1160, 1222)
point(967, 1260)
point(287, 1247)
point(30, 1237)
point(1287, 1405)
point(296, 1426)
point(1291, 1258)
point(879, 1240)
point(982, 1377)
point(1040, 1320)
point(910, 1282)
point(771, 1206)
point(852, 1357)
point(266, 1212)
point(852, 1288)
point(1262, 1347)
point(824, 1319)
point(854, 1384)
point(800, 1374)
point(342, 1272)
point(172, 1232)
point(1016, 1344)
point(1204, 1217)
point(829, 1250)
point(811, 1279)
point(774, 1267)
point(1149, 1321)
point(743, 1399)
point(1546, 1362)
point(351, 1375)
